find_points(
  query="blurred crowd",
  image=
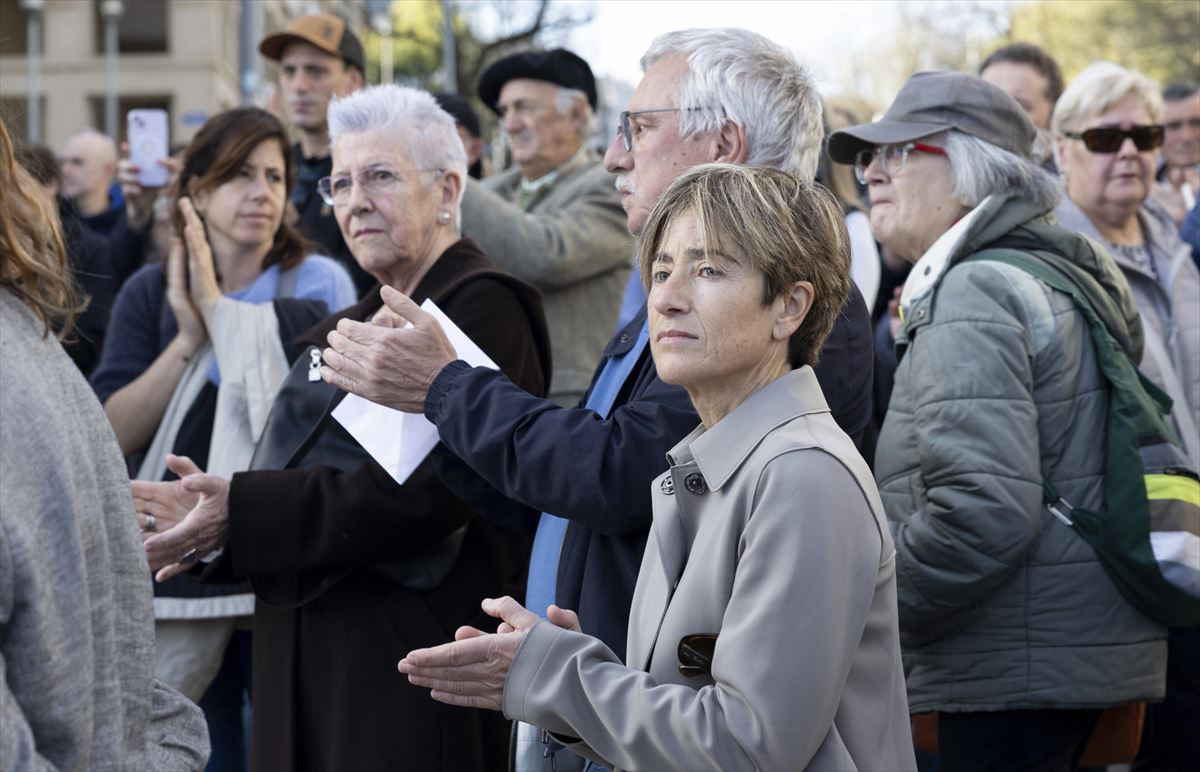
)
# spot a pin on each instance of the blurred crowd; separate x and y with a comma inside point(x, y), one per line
point(894, 471)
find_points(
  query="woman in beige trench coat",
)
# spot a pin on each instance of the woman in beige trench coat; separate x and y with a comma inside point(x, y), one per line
point(763, 633)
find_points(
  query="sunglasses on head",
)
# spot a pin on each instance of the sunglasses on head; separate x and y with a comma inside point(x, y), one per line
point(1109, 140)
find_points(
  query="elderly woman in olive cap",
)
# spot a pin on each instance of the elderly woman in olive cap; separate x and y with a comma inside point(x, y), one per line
point(1010, 627)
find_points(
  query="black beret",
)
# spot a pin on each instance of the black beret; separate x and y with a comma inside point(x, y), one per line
point(558, 66)
point(460, 110)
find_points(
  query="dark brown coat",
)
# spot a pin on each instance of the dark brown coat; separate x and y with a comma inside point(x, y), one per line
point(326, 692)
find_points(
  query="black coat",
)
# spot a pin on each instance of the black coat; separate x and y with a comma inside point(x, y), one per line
point(521, 455)
point(326, 692)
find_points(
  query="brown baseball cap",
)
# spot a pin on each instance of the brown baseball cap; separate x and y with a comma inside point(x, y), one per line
point(931, 102)
point(325, 31)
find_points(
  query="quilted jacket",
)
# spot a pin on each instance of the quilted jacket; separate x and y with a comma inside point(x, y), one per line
point(1001, 605)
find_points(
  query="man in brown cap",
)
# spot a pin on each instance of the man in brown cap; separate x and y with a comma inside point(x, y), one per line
point(555, 219)
point(319, 59)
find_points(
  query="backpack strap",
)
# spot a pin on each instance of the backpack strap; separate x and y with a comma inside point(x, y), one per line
point(1058, 274)
point(287, 282)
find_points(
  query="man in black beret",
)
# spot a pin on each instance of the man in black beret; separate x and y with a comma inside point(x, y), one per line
point(555, 219)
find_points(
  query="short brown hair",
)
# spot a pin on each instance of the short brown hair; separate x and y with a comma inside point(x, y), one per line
point(217, 154)
point(789, 230)
point(33, 259)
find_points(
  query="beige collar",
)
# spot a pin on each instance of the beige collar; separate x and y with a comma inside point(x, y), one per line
point(720, 450)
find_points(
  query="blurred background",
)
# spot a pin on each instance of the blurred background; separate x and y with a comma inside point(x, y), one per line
point(66, 64)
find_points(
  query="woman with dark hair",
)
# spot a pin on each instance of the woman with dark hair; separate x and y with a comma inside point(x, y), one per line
point(76, 645)
point(197, 351)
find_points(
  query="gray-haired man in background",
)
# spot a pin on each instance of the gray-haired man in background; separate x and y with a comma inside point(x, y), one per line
point(554, 219)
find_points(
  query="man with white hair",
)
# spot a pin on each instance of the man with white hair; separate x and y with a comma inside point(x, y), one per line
point(554, 219)
point(707, 95)
point(89, 165)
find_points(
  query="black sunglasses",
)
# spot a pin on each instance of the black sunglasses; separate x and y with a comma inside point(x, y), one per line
point(696, 654)
point(1109, 140)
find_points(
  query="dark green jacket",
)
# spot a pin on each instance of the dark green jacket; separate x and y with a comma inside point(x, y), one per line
point(1001, 605)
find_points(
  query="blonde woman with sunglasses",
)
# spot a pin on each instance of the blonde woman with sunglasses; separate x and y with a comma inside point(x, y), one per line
point(1108, 131)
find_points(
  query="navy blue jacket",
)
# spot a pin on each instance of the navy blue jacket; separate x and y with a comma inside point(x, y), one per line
point(524, 455)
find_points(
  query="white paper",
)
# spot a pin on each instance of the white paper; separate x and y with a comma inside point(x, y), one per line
point(398, 441)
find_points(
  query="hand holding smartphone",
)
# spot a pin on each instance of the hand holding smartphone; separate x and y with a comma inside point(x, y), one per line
point(147, 132)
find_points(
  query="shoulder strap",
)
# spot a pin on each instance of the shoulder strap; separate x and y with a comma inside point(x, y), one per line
point(1055, 270)
point(287, 282)
point(1097, 308)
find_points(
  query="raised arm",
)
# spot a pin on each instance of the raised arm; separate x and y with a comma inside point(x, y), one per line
point(136, 407)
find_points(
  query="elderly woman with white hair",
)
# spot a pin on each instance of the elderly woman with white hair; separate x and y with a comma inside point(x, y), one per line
point(349, 566)
point(1107, 131)
point(1011, 629)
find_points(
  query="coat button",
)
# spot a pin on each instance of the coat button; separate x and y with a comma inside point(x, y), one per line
point(667, 486)
point(694, 482)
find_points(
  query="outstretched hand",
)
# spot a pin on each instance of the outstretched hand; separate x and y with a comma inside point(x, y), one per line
point(202, 530)
point(471, 671)
point(160, 506)
point(386, 362)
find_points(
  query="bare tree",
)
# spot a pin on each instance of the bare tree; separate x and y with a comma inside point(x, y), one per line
point(520, 25)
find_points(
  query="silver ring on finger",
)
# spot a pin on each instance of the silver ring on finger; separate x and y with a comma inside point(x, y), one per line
point(151, 523)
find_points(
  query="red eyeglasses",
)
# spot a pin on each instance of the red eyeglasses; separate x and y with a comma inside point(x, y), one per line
point(891, 157)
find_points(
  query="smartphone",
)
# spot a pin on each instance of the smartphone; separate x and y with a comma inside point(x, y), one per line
point(147, 132)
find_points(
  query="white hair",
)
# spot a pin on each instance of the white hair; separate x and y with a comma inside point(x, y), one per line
point(980, 169)
point(1097, 89)
point(422, 130)
point(566, 98)
point(738, 75)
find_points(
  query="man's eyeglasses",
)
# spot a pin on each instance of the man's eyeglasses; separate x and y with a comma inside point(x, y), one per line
point(1109, 140)
point(891, 158)
point(626, 125)
point(376, 180)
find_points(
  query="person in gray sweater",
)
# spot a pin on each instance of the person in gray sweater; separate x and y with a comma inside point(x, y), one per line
point(77, 688)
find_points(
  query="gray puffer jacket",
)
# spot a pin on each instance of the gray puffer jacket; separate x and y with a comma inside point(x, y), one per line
point(1001, 605)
